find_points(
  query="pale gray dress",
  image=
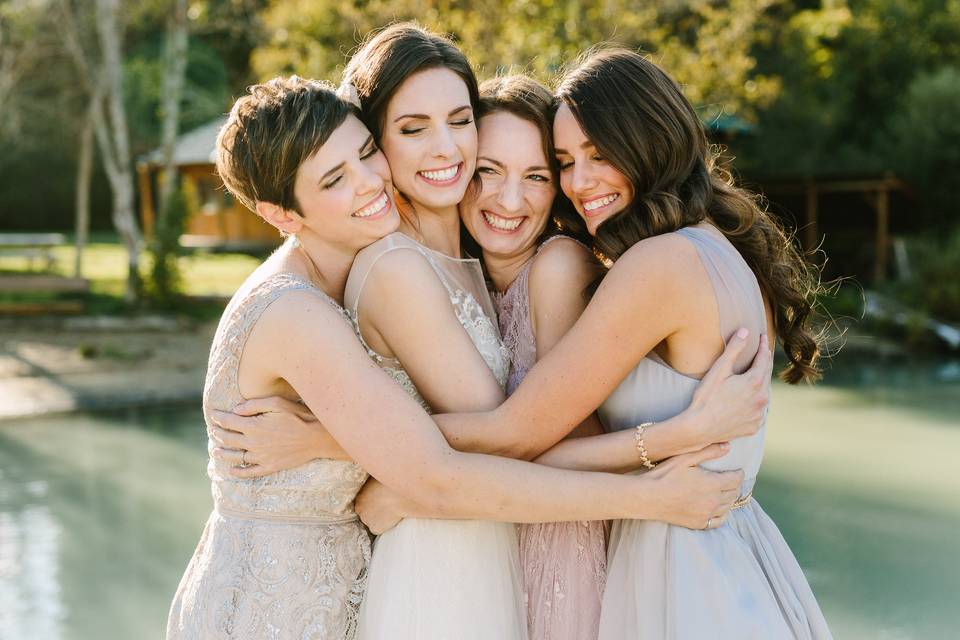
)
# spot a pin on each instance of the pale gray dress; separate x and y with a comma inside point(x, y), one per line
point(739, 581)
point(282, 557)
point(442, 579)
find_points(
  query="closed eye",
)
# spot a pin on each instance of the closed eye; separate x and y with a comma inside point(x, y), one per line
point(332, 183)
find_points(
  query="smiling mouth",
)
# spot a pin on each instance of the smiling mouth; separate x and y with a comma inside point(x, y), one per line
point(499, 223)
point(597, 205)
point(442, 177)
point(376, 208)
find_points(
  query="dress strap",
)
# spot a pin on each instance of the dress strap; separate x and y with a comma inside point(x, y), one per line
point(736, 290)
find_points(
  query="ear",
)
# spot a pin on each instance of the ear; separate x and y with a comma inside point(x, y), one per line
point(285, 220)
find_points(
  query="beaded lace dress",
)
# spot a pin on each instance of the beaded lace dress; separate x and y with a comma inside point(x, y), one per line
point(739, 581)
point(564, 563)
point(442, 579)
point(282, 557)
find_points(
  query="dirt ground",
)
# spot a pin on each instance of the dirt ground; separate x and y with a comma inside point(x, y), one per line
point(55, 365)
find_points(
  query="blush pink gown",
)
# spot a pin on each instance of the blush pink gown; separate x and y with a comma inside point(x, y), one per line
point(563, 563)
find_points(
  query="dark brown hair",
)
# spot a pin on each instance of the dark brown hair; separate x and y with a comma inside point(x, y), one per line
point(269, 134)
point(640, 121)
point(527, 99)
point(388, 57)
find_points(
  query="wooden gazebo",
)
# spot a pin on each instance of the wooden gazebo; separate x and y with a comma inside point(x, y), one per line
point(214, 219)
point(876, 190)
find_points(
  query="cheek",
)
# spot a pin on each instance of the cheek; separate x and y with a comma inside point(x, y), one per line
point(467, 141)
point(398, 154)
point(566, 185)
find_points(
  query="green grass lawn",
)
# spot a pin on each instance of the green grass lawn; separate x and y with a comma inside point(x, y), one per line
point(105, 265)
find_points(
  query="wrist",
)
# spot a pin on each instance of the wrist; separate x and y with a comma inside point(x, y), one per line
point(690, 435)
point(645, 504)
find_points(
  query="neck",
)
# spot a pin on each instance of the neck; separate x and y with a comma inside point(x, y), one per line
point(438, 229)
point(326, 265)
point(504, 269)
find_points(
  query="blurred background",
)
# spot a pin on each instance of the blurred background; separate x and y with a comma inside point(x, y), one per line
point(119, 249)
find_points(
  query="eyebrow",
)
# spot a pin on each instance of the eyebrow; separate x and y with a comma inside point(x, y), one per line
point(584, 145)
point(366, 143)
point(423, 116)
point(502, 166)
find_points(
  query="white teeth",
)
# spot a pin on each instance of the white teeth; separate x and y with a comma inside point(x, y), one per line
point(443, 175)
point(600, 202)
point(373, 208)
point(503, 224)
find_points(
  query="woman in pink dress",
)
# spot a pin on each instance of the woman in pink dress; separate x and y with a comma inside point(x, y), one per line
point(539, 277)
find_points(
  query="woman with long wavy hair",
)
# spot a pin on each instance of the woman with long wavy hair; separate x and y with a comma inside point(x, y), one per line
point(704, 259)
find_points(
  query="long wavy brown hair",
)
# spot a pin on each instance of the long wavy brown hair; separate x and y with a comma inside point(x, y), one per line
point(640, 121)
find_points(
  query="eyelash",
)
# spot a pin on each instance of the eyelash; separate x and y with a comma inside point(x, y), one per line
point(457, 123)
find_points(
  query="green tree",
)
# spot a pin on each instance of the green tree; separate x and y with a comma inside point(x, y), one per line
point(706, 45)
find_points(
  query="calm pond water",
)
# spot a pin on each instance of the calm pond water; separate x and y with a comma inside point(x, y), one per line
point(100, 513)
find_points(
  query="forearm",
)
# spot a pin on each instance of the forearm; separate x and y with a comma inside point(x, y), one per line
point(494, 433)
point(617, 452)
point(491, 488)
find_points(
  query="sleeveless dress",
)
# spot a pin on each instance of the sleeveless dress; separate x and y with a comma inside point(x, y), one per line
point(442, 579)
point(739, 581)
point(283, 556)
point(564, 563)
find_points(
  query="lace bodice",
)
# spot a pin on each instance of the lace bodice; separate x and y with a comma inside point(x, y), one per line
point(282, 556)
point(322, 489)
point(462, 278)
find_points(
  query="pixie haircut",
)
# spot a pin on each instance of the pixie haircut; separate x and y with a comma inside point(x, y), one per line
point(271, 131)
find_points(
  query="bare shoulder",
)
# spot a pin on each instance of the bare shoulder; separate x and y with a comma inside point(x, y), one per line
point(562, 262)
point(668, 254)
point(402, 270)
point(302, 313)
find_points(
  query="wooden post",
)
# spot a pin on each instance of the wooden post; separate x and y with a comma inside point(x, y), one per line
point(810, 229)
point(146, 200)
point(883, 235)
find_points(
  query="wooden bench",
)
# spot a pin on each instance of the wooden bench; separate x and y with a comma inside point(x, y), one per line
point(32, 246)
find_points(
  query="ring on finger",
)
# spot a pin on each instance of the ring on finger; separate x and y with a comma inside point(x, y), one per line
point(243, 458)
point(709, 522)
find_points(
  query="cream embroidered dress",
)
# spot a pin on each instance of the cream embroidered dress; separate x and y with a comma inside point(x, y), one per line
point(442, 579)
point(282, 557)
point(564, 563)
point(739, 581)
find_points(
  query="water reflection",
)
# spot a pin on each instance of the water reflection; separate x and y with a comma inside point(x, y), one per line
point(100, 514)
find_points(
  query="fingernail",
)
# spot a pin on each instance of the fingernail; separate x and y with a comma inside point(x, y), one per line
point(742, 333)
point(725, 446)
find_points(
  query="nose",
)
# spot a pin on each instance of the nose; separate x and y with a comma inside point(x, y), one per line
point(367, 181)
point(444, 145)
point(510, 195)
point(582, 178)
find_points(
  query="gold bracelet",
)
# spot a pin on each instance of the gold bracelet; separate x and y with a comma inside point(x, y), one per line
point(641, 448)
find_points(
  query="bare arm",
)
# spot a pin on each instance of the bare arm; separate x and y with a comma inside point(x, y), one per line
point(625, 319)
point(406, 306)
point(301, 340)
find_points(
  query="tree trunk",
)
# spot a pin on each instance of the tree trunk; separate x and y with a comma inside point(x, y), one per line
point(175, 66)
point(114, 142)
point(84, 175)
